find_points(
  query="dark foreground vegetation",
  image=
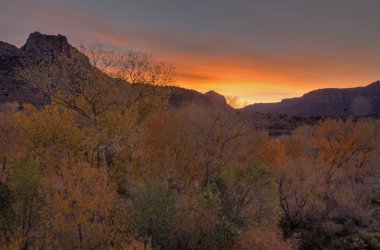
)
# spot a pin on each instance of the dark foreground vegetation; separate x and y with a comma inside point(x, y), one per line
point(109, 165)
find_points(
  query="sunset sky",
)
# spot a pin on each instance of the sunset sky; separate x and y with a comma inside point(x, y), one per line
point(261, 51)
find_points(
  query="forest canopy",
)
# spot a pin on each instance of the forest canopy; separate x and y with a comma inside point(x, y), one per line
point(108, 164)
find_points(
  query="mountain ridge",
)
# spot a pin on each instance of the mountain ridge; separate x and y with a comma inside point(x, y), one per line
point(334, 102)
point(41, 47)
point(329, 102)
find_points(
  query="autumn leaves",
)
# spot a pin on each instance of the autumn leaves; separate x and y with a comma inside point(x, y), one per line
point(108, 165)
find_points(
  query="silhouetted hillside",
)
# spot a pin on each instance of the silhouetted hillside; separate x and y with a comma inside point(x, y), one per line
point(325, 102)
point(359, 101)
point(38, 47)
point(47, 47)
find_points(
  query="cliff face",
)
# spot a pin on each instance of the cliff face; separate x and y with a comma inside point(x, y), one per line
point(327, 102)
point(37, 47)
point(46, 45)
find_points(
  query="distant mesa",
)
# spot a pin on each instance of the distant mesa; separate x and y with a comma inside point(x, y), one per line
point(333, 102)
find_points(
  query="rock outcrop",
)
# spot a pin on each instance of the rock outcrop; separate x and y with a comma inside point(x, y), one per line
point(37, 47)
point(46, 45)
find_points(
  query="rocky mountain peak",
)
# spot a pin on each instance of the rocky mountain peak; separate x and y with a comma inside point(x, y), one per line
point(40, 43)
point(38, 47)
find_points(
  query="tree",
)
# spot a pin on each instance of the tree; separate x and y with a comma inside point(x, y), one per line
point(94, 98)
point(240, 199)
point(99, 57)
point(248, 194)
point(131, 66)
point(235, 102)
point(330, 173)
point(81, 206)
point(11, 143)
point(190, 146)
point(153, 212)
point(22, 199)
point(264, 238)
point(74, 84)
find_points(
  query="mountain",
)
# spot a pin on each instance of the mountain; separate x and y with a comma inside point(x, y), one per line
point(358, 101)
point(37, 47)
point(332, 102)
point(47, 47)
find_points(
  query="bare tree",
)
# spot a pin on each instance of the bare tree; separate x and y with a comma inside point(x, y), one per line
point(131, 66)
point(74, 85)
point(99, 57)
point(235, 102)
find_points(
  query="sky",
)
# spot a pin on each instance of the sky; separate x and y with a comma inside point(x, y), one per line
point(258, 50)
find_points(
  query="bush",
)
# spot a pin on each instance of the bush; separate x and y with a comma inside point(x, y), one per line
point(153, 213)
